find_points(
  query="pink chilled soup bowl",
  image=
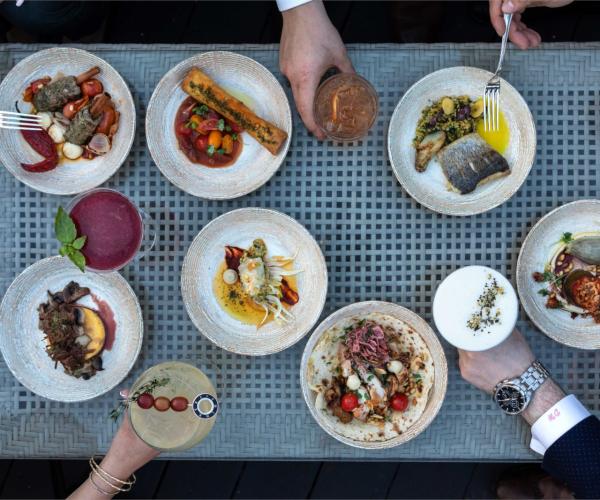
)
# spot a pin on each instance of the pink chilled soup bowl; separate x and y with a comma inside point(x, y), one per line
point(113, 226)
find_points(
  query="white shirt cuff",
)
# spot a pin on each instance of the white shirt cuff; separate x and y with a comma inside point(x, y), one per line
point(558, 420)
point(290, 4)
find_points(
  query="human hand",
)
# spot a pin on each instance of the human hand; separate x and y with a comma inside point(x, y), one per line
point(510, 359)
point(127, 454)
point(484, 369)
point(310, 45)
point(127, 451)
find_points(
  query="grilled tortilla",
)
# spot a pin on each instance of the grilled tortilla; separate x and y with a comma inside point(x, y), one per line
point(324, 364)
point(202, 88)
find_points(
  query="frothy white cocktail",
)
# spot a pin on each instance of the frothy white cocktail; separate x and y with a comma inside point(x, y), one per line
point(475, 308)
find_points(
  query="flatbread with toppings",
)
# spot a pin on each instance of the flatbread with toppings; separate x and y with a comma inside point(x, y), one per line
point(372, 375)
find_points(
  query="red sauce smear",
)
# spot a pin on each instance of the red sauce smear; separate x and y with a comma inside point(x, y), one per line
point(108, 318)
point(194, 144)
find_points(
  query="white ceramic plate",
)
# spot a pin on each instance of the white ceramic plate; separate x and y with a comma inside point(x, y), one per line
point(245, 79)
point(69, 177)
point(436, 395)
point(539, 245)
point(429, 188)
point(22, 342)
point(283, 236)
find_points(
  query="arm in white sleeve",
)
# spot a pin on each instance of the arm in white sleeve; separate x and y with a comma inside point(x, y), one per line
point(556, 422)
point(290, 4)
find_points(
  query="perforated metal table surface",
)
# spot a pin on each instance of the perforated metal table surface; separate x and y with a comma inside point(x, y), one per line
point(378, 242)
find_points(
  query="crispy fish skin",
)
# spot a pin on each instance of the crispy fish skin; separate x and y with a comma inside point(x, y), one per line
point(428, 147)
point(202, 88)
point(469, 162)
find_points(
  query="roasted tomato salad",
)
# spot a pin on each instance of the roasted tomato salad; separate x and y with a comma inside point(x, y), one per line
point(205, 136)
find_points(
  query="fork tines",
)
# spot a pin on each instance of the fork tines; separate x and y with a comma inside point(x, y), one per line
point(491, 107)
point(19, 121)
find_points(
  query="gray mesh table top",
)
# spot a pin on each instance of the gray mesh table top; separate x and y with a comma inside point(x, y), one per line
point(378, 242)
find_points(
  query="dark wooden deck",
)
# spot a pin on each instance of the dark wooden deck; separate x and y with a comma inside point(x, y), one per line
point(198, 479)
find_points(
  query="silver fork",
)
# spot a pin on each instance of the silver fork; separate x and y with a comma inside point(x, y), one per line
point(491, 94)
point(19, 121)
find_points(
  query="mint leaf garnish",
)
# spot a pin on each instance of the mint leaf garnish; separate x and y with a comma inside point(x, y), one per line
point(66, 233)
point(64, 227)
point(79, 242)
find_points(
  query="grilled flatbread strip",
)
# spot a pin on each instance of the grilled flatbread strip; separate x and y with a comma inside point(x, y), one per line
point(202, 88)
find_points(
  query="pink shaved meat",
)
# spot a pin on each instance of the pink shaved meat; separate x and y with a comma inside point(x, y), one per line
point(368, 344)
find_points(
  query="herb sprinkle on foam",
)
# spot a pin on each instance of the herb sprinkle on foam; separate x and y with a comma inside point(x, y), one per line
point(487, 313)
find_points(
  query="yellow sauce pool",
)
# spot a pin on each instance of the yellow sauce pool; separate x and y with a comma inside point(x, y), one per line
point(235, 302)
point(498, 139)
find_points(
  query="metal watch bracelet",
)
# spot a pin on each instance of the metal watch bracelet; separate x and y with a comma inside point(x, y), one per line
point(534, 376)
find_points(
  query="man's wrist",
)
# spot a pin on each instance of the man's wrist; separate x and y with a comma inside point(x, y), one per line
point(289, 6)
point(546, 396)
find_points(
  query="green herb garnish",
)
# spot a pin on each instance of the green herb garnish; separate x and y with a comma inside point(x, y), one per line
point(234, 137)
point(201, 110)
point(145, 388)
point(487, 313)
point(227, 128)
point(66, 233)
point(543, 292)
point(221, 151)
point(210, 150)
point(221, 124)
point(566, 238)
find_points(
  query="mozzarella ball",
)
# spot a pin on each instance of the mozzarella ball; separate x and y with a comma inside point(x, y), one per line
point(353, 382)
point(395, 366)
point(230, 276)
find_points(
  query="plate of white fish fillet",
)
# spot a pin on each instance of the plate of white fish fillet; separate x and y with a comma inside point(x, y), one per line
point(440, 152)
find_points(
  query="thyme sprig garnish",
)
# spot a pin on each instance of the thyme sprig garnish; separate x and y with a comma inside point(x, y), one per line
point(145, 388)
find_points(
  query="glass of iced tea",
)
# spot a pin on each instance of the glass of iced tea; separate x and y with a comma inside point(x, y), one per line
point(175, 408)
point(116, 230)
point(345, 106)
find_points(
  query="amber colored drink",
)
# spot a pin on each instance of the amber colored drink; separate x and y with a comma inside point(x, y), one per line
point(345, 106)
point(113, 226)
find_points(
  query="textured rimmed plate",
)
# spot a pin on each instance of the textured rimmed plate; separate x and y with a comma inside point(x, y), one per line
point(430, 188)
point(436, 395)
point(70, 177)
point(283, 236)
point(247, 80)
point(538, 247)
point(22, 342)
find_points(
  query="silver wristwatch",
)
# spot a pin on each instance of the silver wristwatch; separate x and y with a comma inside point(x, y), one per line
point(514, 395)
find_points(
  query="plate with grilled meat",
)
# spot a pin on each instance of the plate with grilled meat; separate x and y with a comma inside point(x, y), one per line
point(443, 155)
point(87, 120)
point(218, 125)
point(373, 375)
point(254, 281)
point(558, 274)
point(66, 335)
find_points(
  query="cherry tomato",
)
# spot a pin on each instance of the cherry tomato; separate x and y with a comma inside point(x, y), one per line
point(215, 138)
point(73, 107)
point(183, 130)
point(399, 402)
point(91, 87)
point(227, 144)
point(145, 401)
point(349, 401)
point(179, 403)
point(162, 404)
point(201, 143)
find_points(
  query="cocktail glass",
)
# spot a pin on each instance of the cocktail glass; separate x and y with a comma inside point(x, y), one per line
point(117, 230)
point(345, 106)
point(174, 429)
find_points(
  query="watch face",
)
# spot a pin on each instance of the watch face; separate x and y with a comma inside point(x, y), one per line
point(510, 398)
